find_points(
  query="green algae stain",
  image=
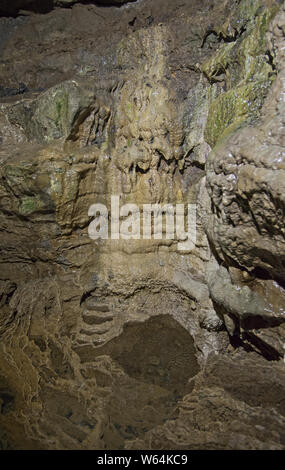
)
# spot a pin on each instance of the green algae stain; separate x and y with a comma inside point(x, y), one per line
point(61, 111)
point(30, 204)
point(247, 73)
point(231, 109)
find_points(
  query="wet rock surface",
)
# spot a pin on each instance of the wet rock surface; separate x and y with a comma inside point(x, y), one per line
point(134, 344)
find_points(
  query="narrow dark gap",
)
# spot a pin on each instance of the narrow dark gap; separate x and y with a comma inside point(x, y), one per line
point(7, 402)
point(8, 9)
point(267, 351)
point(12, 9)
point(222, 38)
point(141, 170)
point(270, 60)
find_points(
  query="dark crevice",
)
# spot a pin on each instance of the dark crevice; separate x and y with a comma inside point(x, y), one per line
point(270, 60)
point(236, 342)
point(267, 351)
point(257, 322)
point(8, 9)
point(8, 294)
point(261, 273)
point(5, 92)
point(84, 297)
point(251, 343)
point(42, 7)
point(162, 159)
point(218, 76)
point(221, 37)
point(141, 170)
point(103, 3)
point(207, 34)
point(281, 282)
point(8, 402)
point(199, 165)
point(132, 22)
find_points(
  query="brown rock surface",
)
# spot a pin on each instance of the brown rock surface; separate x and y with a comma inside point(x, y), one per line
point(134, 344)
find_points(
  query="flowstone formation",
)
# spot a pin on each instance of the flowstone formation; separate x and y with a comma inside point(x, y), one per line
point(133, 344)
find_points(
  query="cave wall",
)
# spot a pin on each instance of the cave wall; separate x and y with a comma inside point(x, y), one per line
point(131, 343)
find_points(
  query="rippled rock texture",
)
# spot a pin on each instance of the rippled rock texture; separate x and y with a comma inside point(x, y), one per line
point(132, 343)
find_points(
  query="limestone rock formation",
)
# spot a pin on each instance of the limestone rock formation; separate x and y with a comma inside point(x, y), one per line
point(132, 343)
